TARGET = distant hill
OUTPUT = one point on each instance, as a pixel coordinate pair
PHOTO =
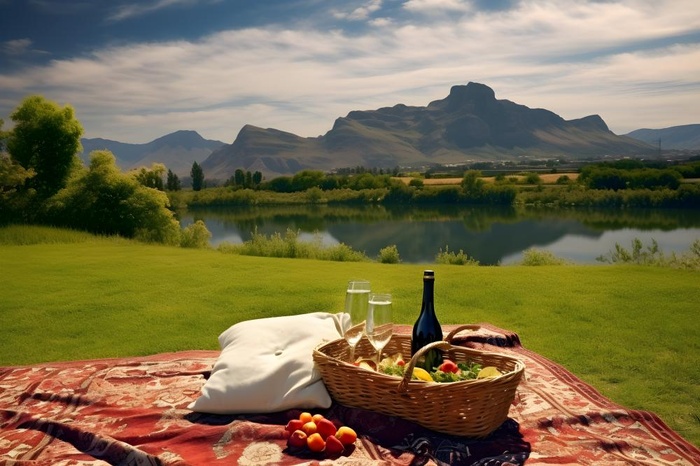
(178, 151)
(470, 124)
(686, 137)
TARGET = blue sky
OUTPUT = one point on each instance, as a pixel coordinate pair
(137, 70)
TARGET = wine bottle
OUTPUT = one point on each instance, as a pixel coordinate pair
(427, 328)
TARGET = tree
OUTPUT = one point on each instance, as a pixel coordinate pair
(151, 177)
(13, 202)
(101, 199)
(238, 177)
(257, 178)
(172, 182)
(473, 184)
(306, 179)
(197, 175)
(46, 139)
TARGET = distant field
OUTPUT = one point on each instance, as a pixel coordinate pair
(547, 178)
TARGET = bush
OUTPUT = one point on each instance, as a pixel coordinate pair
(314, 195)
(103, 200)
(534, 257)
(195, 236)
(449, 257)
(652, 255)
(289, 246)
(389, 255)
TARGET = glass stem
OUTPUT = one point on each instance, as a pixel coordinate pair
(352, 354)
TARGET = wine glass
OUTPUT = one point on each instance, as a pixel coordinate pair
(356, 301)
(379, 325)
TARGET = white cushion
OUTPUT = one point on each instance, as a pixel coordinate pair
(266, 365)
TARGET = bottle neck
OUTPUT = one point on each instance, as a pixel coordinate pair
(428, 295)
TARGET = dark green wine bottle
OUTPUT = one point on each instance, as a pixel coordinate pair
(427, 329)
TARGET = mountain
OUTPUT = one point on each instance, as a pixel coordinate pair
(686, 137)
(177, 151)
(470, 124)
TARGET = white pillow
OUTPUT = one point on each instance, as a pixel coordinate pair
(266, 365)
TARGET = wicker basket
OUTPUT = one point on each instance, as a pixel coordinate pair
(472, 408)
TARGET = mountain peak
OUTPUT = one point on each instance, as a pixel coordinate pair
(472, 91)
(469, 97)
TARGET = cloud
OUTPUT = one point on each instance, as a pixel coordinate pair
(16, 47)
(131, 10)
(360, 13)
(572, 58)
(432, 6)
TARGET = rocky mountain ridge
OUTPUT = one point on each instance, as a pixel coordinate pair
(468, 125)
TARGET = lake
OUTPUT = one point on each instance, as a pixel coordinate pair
(490, 235)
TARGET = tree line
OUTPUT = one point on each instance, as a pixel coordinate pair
(43, 181)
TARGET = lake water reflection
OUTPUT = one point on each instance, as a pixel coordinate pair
(490, 235)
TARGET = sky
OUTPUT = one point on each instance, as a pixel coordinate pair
(137, 70)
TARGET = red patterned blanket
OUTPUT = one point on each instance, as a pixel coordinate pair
(133, 411)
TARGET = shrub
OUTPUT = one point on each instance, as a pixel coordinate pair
(195, 235)
(314, 195)
(652, 255)
(289, 246)
(102, 200)
(449, 257)
(389, 255)
(534, 256)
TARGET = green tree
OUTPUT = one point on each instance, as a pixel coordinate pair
(151, 177)
(306, 179)
(103, 200)
(473, 184)
(238, 177)
(172, 182)
(257, 178)
(197, 175)
(13, 201)
(46, 139)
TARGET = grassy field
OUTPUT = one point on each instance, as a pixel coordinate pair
(630, 331)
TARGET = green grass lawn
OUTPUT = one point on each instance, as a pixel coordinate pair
(630, 331)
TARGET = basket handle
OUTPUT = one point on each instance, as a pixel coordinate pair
(408, 370)
(455, 331)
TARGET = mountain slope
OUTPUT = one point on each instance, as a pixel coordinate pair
(469, 124)
(178, 151)
(685, 137)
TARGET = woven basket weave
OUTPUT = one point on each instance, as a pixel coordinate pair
(471, 408)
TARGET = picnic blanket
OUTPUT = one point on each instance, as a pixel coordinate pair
(133, 411)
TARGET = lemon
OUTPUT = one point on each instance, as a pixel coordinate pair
(422, 374)
(488, 372)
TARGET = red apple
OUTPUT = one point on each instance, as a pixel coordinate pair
(326, 428)
(294, 424)
(297, 440)
(334, 447)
